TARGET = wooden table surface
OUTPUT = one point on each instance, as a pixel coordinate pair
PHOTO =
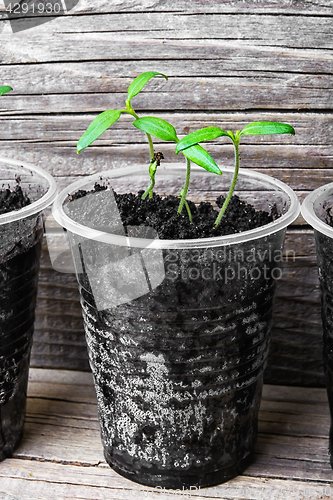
(61, 455)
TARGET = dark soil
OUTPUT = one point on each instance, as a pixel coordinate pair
(12, 200)
(329, 216)
(161, 214)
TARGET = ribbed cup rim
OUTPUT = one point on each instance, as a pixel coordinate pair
(36, 206)
(317, 196)
(273, 227)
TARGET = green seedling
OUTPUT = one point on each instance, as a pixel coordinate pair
(4, 89)
(209, 133)
(152, 126)
(188, 145)
(163, 130)
(104, 120)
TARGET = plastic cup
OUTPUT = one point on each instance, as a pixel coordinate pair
(317, 210)
(21, 233)
(177, 330)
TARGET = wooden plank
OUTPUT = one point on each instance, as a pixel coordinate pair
(313, 32)
(275, 91)
(283, 408)
(67, 128)
(96, 46)
(115, 76)
(289, 425)
(51, 142)
(274, 162)
(302, 7)
(59, 385)
(37, 481)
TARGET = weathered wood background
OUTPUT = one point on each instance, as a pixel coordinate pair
(229, 63)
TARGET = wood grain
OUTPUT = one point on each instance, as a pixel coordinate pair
(314, 30)
(235, 92)
(302, 7)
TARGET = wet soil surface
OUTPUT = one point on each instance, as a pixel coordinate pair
(161, 214)
(12, 200)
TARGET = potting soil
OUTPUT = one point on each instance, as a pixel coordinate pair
(12, 199)
(161, 215)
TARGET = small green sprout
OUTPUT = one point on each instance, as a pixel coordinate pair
(4, 89)
(163, 130)
(152, 126)
(104, 120)
(156, 160)
(209, 133)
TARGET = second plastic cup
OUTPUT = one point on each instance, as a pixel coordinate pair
(317, 210)
(21, 233)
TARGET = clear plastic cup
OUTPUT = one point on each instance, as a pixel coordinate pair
(177, 330)
(21, 233)
(317, 210)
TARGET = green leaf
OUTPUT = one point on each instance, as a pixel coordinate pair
(204, 134)
(4, 89)
(201, 157)
(140, 81)
(97, 127)
(156, 127)
(267, 128)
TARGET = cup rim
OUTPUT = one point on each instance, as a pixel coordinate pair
(309, 214)
(76, 228)
(37, 205)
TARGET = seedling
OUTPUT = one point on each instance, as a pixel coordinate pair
(209, 133)
(189, 145)
(4, 89)
(156, 127)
